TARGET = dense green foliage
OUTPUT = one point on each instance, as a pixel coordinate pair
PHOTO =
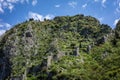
(65, 48)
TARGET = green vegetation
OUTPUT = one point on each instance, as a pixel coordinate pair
(65, 48)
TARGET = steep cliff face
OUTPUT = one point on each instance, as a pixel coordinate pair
(5, 64)
(5, 68)
(62, 48)
(117, 30)
(18, 45)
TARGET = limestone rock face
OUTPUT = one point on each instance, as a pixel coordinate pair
(13, 46)
(102, 40)
(28, 34)
(5, 68)
(76, 51)
(53, 49)
(117, 30)
(89, 47)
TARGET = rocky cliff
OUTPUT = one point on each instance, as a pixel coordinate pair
(67, 47)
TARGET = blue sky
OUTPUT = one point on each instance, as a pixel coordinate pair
(13, 12)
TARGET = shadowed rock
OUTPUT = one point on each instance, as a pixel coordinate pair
(76, 51)
(102, 40)
(5, 68)
(28, 34)
(88, 48)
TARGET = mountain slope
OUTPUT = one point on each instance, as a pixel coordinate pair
(67, 47)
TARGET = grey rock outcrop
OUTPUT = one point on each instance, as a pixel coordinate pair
(5, 68)
(14, 45)
(28, 34)
(102, 40)
(76, 51)
(89, 47)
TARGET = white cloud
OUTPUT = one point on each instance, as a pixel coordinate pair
(1, 0)
(103, 3)
(117, 0)
(10, 7)
(96, 0)
(27, 1)
(1, 10)
(57, 6)
(100, 19)
(84, 6)
(116, 21)
(49, 16)
(1, 25)
(117, 10)
(37, 16)
(5, 4)
(10, 4)
(22, 1)
(2, 32)
(12, 1)
(34, 2)
(5, 25)
(8, 26)
(73, 4)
